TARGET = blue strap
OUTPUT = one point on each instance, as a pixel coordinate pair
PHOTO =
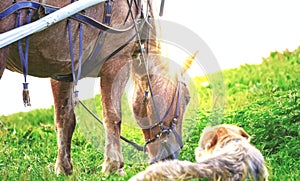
(71, 48)
(80, 50)
(178, 138)
(75, 77)
(90, 21)
(108, 12)
(24, 57)
(18, 6)
(79, 17)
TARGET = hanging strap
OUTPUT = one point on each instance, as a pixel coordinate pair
(108, 12)
(162, 5)
(76, 75)
(24, 58)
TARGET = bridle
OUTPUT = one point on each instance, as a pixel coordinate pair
(163, 130)
(166, 130)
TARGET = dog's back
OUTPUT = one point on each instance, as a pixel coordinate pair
(241, 162)
(224, 153)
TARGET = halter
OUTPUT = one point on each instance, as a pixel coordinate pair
(165, 130)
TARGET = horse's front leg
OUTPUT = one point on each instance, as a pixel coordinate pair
(64, 124)
(114, 76)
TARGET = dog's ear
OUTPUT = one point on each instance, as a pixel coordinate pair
(243, 133)
(215, 138)
(213, 141)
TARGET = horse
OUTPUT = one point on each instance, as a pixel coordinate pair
(49, 56)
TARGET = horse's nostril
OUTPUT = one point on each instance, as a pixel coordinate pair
(173, 156)
(171, 153)
(151, 162)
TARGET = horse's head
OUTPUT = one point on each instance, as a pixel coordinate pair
(160, 101)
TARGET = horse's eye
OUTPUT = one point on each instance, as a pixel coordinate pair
(187, 99)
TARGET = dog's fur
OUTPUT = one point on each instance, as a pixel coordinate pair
(224, 153)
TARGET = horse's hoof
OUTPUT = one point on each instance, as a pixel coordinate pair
(65, 167)
(113, 167)
(121, 172)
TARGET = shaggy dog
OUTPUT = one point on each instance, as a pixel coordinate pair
(224, 153)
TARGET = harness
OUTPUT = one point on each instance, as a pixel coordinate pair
(166, 130)
(16, 7)
(76, 74)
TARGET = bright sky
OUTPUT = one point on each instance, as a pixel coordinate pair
(237, 32)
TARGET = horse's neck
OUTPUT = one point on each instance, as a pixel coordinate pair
(156, 68)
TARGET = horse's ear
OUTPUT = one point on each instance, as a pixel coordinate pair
(188, 62)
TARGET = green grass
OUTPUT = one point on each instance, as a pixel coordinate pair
(263, 99)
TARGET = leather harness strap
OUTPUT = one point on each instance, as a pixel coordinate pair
(171, 128)
(49, 9)
(18, 6)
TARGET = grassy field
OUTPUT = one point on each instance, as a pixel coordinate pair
(263, 99)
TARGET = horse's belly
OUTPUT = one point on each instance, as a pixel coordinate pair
(49, 52)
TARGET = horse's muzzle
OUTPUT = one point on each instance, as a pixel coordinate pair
(166, 152)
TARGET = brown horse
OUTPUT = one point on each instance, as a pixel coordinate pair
(159, 114)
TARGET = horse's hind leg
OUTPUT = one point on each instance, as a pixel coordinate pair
(64, 124)
(114, 76)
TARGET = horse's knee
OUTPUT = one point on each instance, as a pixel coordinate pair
(112, 124)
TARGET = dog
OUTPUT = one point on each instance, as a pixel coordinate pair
(224, 153)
